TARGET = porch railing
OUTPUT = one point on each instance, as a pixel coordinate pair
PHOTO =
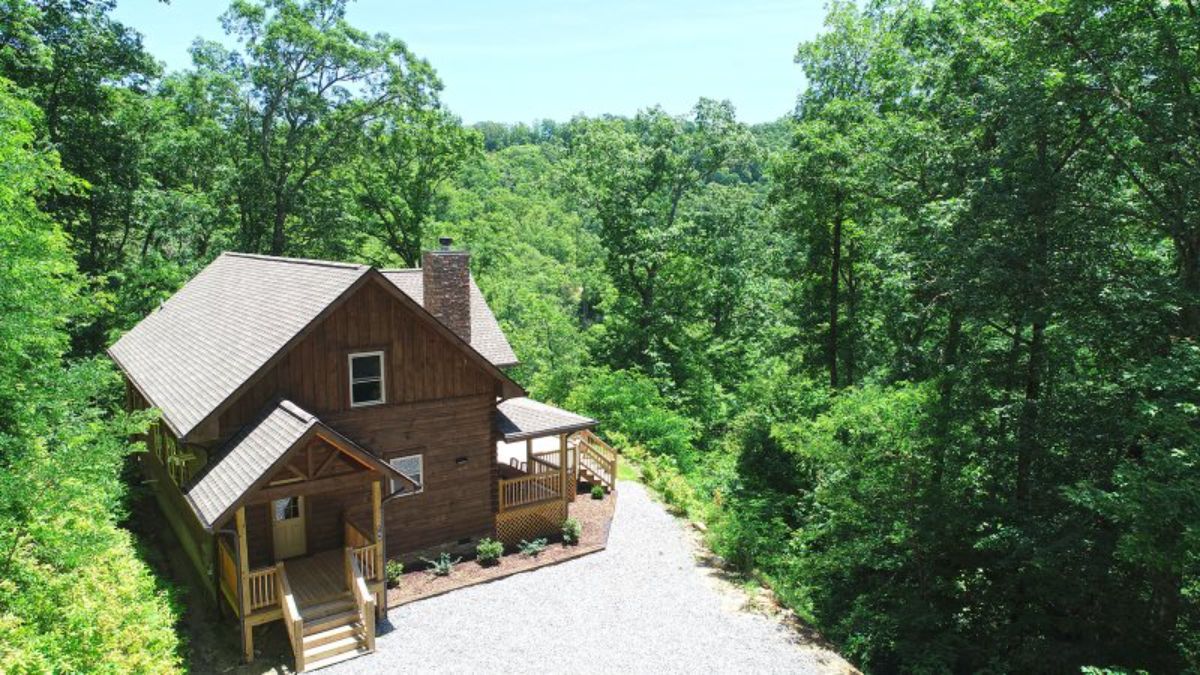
(365, 550)
(263, 585)
(227, 569)
(529, 489)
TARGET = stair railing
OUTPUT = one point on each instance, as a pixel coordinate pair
(362, 596)
(291, 615)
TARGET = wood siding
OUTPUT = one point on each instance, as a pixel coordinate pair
(420, 364)
(439, 404)
(456, 502)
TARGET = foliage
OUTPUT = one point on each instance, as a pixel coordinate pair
(571, 531)
(443, 566)
(488, 551)
(393, 570)
(923, 354)
(597, 492)
(531, 549)
(74, 595)
(637, 410)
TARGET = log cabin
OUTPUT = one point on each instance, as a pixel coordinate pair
(317, 419)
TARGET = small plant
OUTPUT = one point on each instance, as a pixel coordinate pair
(443, 566)
(533, 548)
(597, 492)
(392, 570)
(488, 552)
(571, 529)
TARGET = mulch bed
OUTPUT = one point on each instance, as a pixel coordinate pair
(594, 515)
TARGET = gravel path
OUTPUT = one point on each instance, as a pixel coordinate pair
(643, 605)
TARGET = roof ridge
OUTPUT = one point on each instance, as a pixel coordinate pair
(296, 411)
(298, 261)
(394, 270)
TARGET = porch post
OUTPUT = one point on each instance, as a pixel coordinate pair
(562, 469)
(244, 577)
(380, 556)
(528, 455)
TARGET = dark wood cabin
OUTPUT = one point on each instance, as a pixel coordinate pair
(321, 418)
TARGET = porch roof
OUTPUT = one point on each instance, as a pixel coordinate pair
(523, 418)
(251, 456)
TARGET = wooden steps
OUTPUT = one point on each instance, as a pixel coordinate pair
(333, 632)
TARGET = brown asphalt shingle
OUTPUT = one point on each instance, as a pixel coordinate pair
(188, 356)
(246, 457)
(521, 418)
(486, 336)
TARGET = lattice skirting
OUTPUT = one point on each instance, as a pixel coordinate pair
(544, 519)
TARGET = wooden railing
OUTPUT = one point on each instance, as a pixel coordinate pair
(227, 568)
(529, 489)
(362, 596)
(356, 537)
(366, 550)
(367, 557)
(291, 615)
(597, 457)
(547, 461)
(262, 585)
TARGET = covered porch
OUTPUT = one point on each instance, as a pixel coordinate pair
(296, 510)
(542, 455)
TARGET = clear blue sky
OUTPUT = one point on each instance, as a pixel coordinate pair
(521, 60)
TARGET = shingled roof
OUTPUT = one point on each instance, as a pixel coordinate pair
(251, 455)
(518, 419)
(194, 352)
(486, 336)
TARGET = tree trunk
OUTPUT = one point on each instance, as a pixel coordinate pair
(1188, 249)
(835, 272)
(278, 240)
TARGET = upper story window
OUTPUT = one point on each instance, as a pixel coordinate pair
(366, 379)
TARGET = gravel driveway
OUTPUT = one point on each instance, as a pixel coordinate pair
(643, 605)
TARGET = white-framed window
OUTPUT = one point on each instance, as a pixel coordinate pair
(412, 466)
(367, 385)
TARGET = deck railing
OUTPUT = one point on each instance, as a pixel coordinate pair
(365, 549)
(547, 461)
(263, 587)
(291, 615)
(529, 489)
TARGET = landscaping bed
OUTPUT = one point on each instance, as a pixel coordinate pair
(594, 515)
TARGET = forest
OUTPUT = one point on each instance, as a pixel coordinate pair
(922, 355)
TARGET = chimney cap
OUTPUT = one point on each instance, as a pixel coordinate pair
(445, 243)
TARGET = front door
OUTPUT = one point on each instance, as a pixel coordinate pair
(287, 520)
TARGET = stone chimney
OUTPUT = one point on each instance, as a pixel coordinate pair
(447, 279)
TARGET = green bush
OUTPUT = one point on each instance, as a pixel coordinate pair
(571, 530)
(597, 492)
(393, 570)
(488, 552)
(443, 566)
(633, 409)
(531, 549)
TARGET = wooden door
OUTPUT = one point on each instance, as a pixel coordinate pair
(287, 526)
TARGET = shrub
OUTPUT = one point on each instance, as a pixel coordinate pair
(635, 412)
(533, 548)
(488, 552)
(392, 570)
(443, 566)
(571, 529)
(597, 492)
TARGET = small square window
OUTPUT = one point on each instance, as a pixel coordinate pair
(367, 379)
(412, 466)
(287, 508)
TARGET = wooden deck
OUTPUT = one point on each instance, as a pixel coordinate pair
(317, 578)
